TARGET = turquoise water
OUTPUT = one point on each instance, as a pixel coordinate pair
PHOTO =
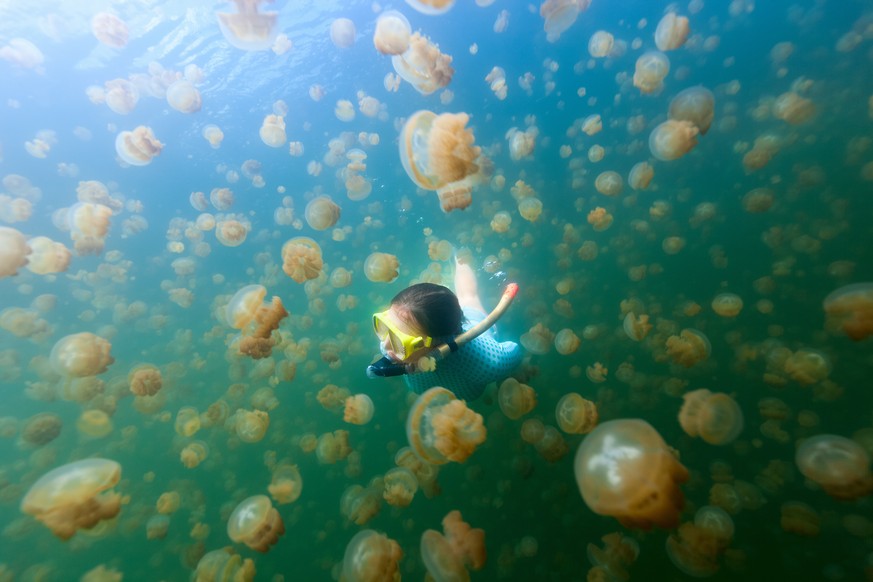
(813, 240)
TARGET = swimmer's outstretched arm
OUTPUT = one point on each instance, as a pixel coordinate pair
(466, 286)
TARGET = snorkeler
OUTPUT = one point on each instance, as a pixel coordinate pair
(440, 338)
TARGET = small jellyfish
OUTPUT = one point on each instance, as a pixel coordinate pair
(342, 32)
(575, 415)
(272, 131)
(636, 327)
(609, 183)
(248, 29)
(625, 469)
(423, 66)
(13, 251)
(441, 428)
(559, 15)
(358, 409)
(75, 496)
(538, 339)
(194, 453)
(370, 557)
(110, 30)
(392, 33)
(400, 486)
(515, 399)
(187, 421)
(688, 348)
(716, 418)
(214, 135)
(322, 213)
(184, 97)
(286, 484)
(695, 104)
(255, 523)
(448, 556)
(600, 44)
(41, 429)
(46, 257)
(251, 425)
(225, 565)
(332, 447)
(838, 465)
(138, 147)
(651, 68)
(157, 527)
(567, 342)
(94, 424)
(727, 304)
(431, 7)
(672, 31)
(301, 259)
(672, 139)
(850, 309)
(381, 267)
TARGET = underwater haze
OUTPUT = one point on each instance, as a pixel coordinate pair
(683, 192)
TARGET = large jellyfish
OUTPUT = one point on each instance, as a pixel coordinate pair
(75, 496)
(625, 469)
(441, 428)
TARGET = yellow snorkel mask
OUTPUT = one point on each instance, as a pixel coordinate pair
(400, 342)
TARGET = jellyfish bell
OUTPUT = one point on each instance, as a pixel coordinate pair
(515, 399)
(184, 97)
(850, 308)
(649, 72)
(110, 30)
(249, 29)
(342, 33)
(673, 139)
(301, 257)
(75, 496)
(840, 466)
(255, 523)
(695, 104)
(716, 418)
(624, 469)
(371, 556)
(423, 66)
(436, 150)
(392, 33)
(81, 354)
(322, 213)
(672, 32)
(431, 7)
(138, 147)
(441, 428)
(14, 251)
(559, 15)
(381, 267)
(575, 415)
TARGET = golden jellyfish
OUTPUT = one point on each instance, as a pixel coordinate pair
(272, 131)
(121, 96)
(193, 454)
(758, 200)
(850, 309)
(521, 143)
(157, 527)
(13, 251)
(400, 485)
(672, 32)
(224, 565)
(145, 380)
(727, 304)
(340, 278)
(138, 147)
(624, 469)
(600, 219)
(609, 183)
(342, 32)
(800, 519)
(392, 33)
(251, 425)
(360, 504)
(110, 30)
(501, 221)
(441, 428)
(41, 429)
(94, 423)
(600, 44)
(371, 557)
(255, 523)
(187, 421)
(807, 366)
(575, 415)
(286, 484)
(695, 104)
(381, 267)
(437, 150)
(75, 496)
(448, 556)
(213, 134)
(538, 339)
(612, 562)
(515, 399)
(650, 70)
(47, 256)
(672, 139)
(322, 213)
(423, 66)
(81, 354)
(431, 7)
(358, 409)
(592, 125)
(840, 466)
(332, 447)
(689, 347)
(696, 547)
(716, 418)
(794, 109)
(301, 259)
(559, 15)
(636, 327)
(530, 208)
(168, 502)
(249, 29)
(231, 232)
(567, 342)
(184, 97)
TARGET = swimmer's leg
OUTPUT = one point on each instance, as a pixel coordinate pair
(466, 286)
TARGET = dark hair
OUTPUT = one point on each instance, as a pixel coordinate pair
(434, 307)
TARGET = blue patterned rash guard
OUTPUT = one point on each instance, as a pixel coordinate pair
(476, 364)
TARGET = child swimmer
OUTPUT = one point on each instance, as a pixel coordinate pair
(425, 316)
